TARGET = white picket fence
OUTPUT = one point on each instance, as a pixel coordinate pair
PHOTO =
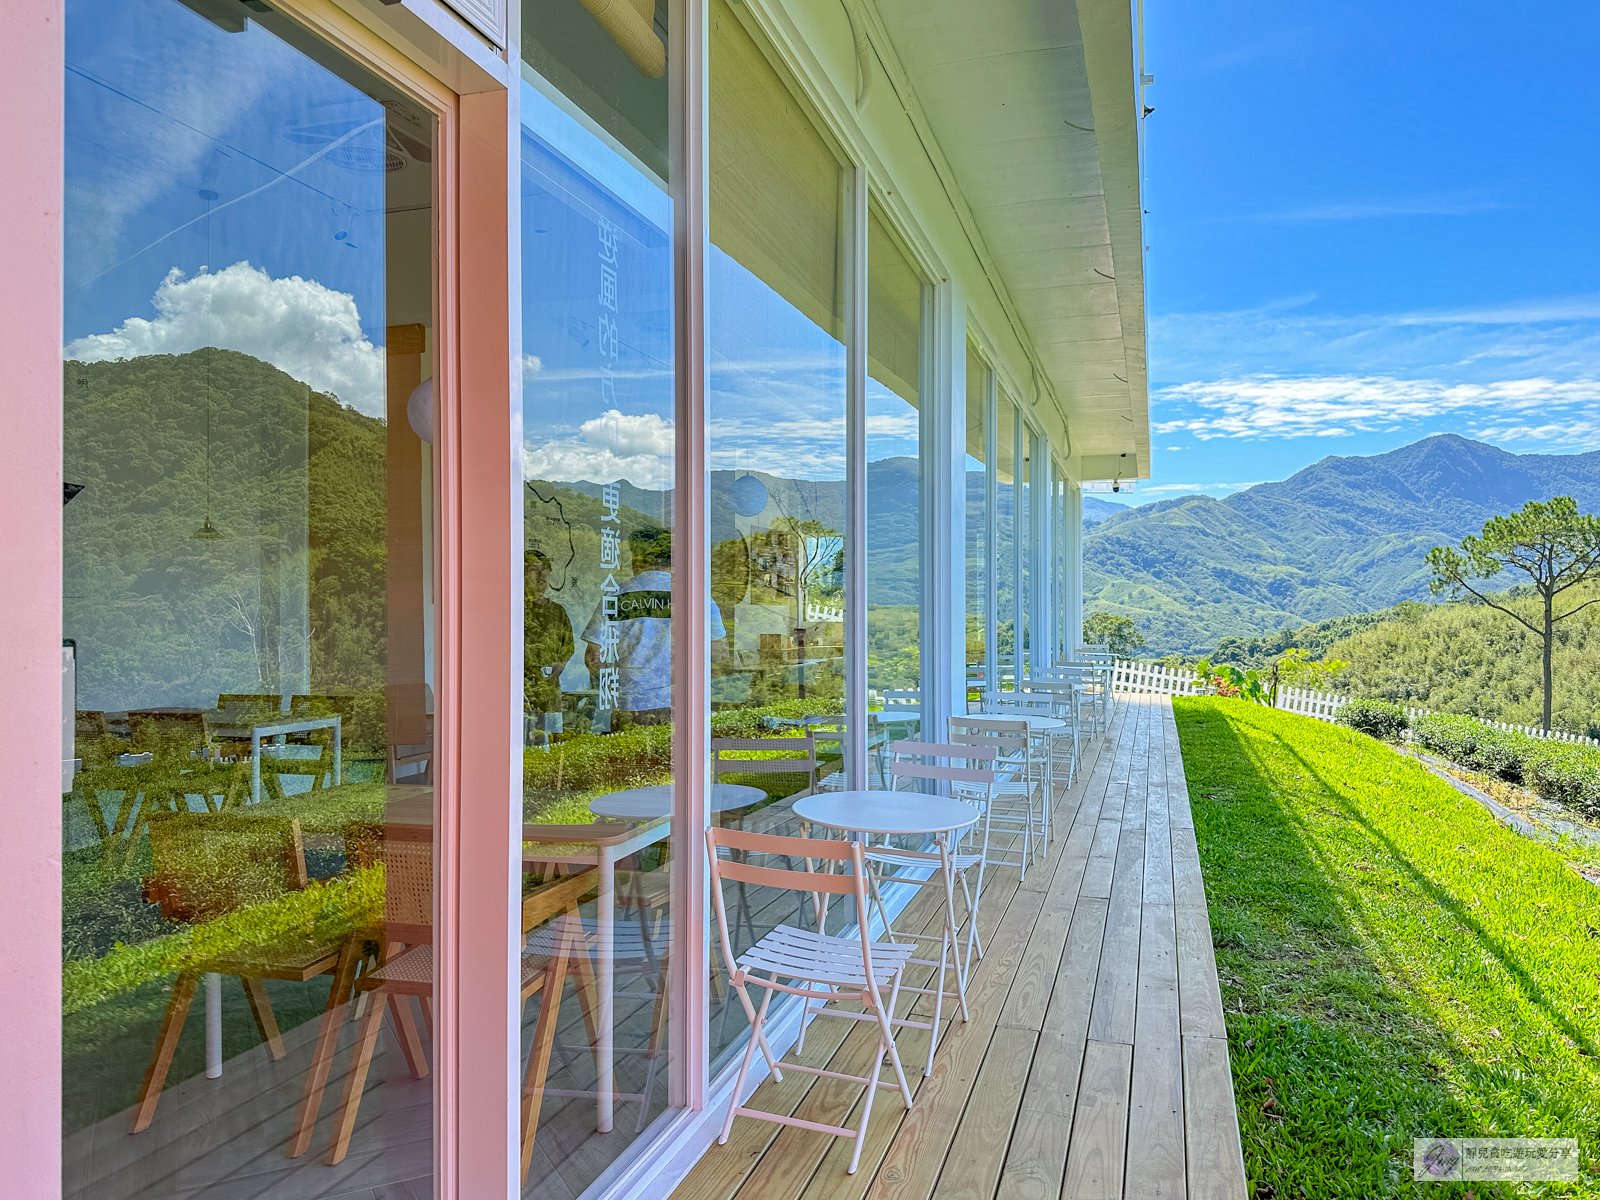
(1147, 677)
(1153, 678)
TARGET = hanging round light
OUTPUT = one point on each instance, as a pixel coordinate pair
(419, 410)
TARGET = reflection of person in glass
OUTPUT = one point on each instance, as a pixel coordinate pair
(546, 643)
(637, 639)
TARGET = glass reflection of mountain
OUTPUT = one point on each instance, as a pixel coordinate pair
(297, 493)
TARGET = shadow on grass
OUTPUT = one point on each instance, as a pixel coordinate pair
(1494, 946)
(1334, 1072)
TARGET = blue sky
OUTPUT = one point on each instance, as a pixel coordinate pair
(1368, 223)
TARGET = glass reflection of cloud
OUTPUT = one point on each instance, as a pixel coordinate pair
(776, 381)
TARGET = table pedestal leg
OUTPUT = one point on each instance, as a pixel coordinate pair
(213, 1025)
(605, 1036)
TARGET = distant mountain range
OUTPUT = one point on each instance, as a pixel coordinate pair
(1346, 535)
(1096, 510)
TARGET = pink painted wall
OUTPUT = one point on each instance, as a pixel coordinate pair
(30, 601)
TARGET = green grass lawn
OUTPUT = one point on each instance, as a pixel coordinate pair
(1394, 963)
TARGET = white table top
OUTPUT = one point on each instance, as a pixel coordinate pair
(898, 713)
(1035, 724)
(649, 803)
(886, 812)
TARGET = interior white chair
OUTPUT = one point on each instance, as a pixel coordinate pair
(812, 965)
(833, 730)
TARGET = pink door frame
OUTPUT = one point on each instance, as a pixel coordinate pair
(30, 612)
(479, 609)
(478, 728)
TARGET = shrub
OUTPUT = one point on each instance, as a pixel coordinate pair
(1376, 718)
(1560, 771)
(588, 761)
(1468, 741)
(1566, 773)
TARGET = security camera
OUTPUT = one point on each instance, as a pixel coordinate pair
(1116, 486)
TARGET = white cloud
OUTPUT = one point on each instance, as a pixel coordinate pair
(306, 330)
(532, 364)
(1554, 336)
(893, 425)
(615, 445)
(1337, 406)
(1581, 430)
(1411, 206)
(1197, 487)
(135, 159)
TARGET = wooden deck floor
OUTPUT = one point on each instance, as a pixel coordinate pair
(1095, 1063)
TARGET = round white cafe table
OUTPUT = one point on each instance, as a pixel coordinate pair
(907, 813)
(654, 801)
(886, 812)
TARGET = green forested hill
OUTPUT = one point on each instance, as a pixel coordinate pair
(1346, 535)
(1465, 658)
(1451, 657)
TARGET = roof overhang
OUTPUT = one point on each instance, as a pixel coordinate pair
(1035, 109)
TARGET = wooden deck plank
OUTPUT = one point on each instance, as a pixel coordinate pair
(1036, 973)
(1188, 887)
(1036, 1159)
(1117, 983)
(1003, 893)
(823, 1165)
(1053, 1085)
(1156, 1160)
(911, 1165)
(1216, 1161)
(1094, 1065)
(745, 1158)
(1180, 814)
(1097, 1154)
(978, 1150)
(1199, 994)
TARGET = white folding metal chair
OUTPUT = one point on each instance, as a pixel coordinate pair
(974, 783)
(1058, 699)
(1019, 803)
(815, 965)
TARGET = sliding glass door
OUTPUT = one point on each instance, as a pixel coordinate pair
(247, 598)
(602, 830)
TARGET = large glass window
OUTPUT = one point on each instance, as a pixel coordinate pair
(894, 325)
(977, 522)
(1026, 546)
(1058, 542)
(599, 561)
(1007, 529)
(247, 594)
(776, 429)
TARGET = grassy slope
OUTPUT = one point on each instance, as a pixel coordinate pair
(1393, 962)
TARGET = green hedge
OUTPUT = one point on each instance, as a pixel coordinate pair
(322, 914)
(584, 762)
(1377, 718)
(1566, 772)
